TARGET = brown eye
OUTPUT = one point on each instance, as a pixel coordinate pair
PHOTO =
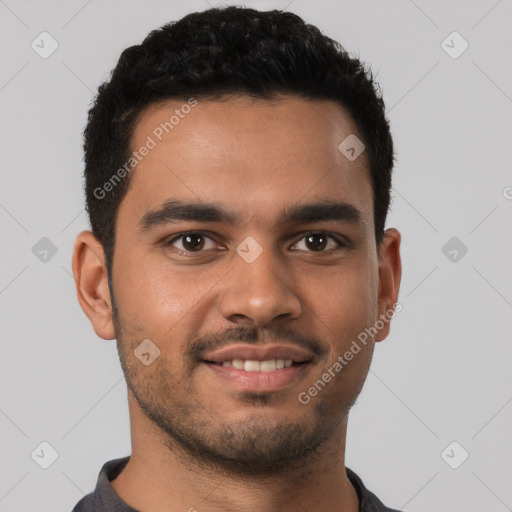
(192, 242)
(319, 240)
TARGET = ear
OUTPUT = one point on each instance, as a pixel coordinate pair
(390, 274)
(91, 283)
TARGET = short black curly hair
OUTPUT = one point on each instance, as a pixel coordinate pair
(219, 52)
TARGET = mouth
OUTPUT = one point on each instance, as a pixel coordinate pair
(253, 365)
(259, 368)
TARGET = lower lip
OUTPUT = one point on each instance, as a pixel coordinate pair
(260, 381)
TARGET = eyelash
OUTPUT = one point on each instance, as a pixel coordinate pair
(330, 236)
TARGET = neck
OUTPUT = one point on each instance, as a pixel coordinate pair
(161, 477)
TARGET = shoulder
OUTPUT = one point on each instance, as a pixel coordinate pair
(104, 498)
(86, 504)
(368, 501)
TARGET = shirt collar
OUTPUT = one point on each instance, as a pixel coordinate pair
(107, 500)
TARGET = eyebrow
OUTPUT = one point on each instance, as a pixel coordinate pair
(175, 210)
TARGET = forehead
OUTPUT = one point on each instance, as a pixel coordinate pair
(255, 156)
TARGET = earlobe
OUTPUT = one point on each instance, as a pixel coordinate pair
(390, 275)
(90, 273)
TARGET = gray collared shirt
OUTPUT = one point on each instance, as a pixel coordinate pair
(105, 499)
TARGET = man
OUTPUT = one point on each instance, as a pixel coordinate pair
(238, 170)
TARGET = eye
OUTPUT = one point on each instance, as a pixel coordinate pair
(197, 242)
(192, 241)
(317, 241)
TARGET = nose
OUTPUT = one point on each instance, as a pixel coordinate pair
(258, 292)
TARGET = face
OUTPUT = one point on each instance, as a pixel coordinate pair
(245, 252)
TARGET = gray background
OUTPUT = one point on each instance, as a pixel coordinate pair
(443, 375)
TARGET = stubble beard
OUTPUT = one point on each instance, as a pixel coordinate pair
(256, 446)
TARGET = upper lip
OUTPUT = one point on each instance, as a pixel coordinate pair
(259, 353)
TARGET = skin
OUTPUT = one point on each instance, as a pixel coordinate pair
(255, 157)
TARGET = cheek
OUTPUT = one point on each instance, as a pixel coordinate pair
(146, 289)
(347, 306)
(345, 299)
(161, 301)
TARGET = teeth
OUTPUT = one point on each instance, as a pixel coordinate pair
(268, 366)
(250, 365)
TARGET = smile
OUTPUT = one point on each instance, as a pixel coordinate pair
(251, 365)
